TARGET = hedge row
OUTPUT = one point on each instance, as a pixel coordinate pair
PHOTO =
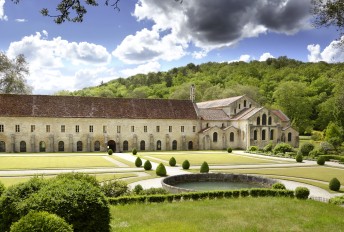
(201, 195)
(335, 157)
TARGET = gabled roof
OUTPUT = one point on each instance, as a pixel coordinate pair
(94, 107)
(213, 114)
(247, 113)
(218, 103)
(281, 115)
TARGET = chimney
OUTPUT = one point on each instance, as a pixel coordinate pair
(192, 92)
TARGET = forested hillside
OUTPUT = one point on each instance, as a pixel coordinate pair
(311, 94)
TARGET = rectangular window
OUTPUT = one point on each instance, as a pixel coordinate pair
(194, 129)
(118, 129)
(77, 129)
(1, 128)
(104, 129)
(17, 128)
(169, 128)
(182, 128)
(47, 128)
(157, 128)
(145, 128)
(132, 128)
(63, 128)
(33, 128)
(91, 128)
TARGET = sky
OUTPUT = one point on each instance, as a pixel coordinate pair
(157, 35)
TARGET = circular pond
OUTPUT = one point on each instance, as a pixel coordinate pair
(214, 181)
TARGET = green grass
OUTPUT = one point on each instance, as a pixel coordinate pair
(242, 214)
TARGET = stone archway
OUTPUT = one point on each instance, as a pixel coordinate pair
(112, 145)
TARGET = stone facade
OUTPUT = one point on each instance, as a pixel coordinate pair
(36, 123)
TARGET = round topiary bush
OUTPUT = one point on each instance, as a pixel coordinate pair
(253, 148)
(299, 158)
(147, 165)
(138, 189)
(138, 162)
(321, 160)
(186, 164)
(229, 150)
(278, 186)
(334, 184)
(172, 162)
(110, 151)
(134, 151)
(204, 167)
(306, 148)
(301, 193)
(160, 170)
(41, 221)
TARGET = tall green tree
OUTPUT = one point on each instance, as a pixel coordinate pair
(334, 135)
(13, 74)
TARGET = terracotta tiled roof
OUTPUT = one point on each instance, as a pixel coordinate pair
(94, 107)
(218, 103)
(213, 114)
(281, 115)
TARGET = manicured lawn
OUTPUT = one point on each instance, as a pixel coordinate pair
(242, 214)
(213, 158)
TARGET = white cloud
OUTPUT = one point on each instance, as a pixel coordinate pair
(21, 20)
(265, 56)
(2, 11)
(333, 53)
(244, 58)
(93, 77)
(142, 69)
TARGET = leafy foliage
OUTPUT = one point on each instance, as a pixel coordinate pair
(110, 151)
(186, 164)
(229, 150)
(204, 167)
(282, 148)
(299, 158)
(334, 184)
(147, 165)
(138, 162)
(134, 151)
(306, 148)
(161, 170)
(114, 188)
(172, 162)
(321, 160)
(2, 188)
(278, 186)
(301, 193)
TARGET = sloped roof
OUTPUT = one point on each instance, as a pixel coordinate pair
(281, 115)
(94, 107)
(218, 103)
(247, 113)
(213, 114)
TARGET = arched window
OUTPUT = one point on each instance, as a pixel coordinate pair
(22, 146)
(289, 137)
(207, 125)
(263, 134)
(96, 146)
(255, 135)
(158, 145)
(142, 145)
(258, 121)
(231, 137)
(272, 135)
(264, 119)
(2, 146)
(269, 121)
(125, 145)
(42, 146)
(79, 146)
(190, 145)
(244, 103)
(239, 106)
(215, 137)
(174, 145)
(61, 146)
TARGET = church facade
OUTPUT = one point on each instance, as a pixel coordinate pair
(37, 123)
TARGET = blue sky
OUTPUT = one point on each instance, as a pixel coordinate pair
(154, 35)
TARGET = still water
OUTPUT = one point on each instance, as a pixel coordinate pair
(217, 185)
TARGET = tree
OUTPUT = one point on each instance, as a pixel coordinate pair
(12, 75)
(334, 135)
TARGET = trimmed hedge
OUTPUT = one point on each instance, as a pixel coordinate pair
(138, 162)
(334, 157)
(147, 166)
(278, 186)
(186, 164)
(134, 151)
(334, 184)
(229, 150)
(301, 193)
(161, 170)
(204, 167)
(321, 160)
(299, 158)
(110, 151)
(172, 162)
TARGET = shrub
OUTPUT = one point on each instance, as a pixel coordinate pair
(253, 148)
(306, 148)
(244, 193)
(161, 170)
(316, 153)
(138, 162)
(2, 188)
(114, 188)
(229, 150)
(41, 221)
(299, 158)
(339, 200)
(147, 165)
(301, 193)
(334, 184)
(278, 186)
(204, 167)
(326, 147)
(138, 189)
(154, 191)
(268, 147)
(79, 176)
(172, 162)
(134, 151)
(186, 164)
(110, 151)
(317, 136)
(282, 148)
(321, 160)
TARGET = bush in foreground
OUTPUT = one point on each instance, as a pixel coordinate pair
(301, 193)
(147, 165)
(138, 162)
(2, 188)
(172, 162)
(160, 170)
(334, 184)
(41, 221)
(204, 167)
(278, 186)
(229, 150)
(110, 151)
(299, 158)
(268, 147)
(306, 148)
(186, 164)
(114, 188)
(282, 148)
(321, 160)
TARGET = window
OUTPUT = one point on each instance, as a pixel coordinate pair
(269, 121)
(190, 145)
(118, 129)
(61, 146)
(169, 128)
(142, 145)
(157, 128)
(194, 129)
(289, 137)
(125, 145)
(42, 146)
(33, 128)
(22, 146)
(254, 135)
(174, 145)
(239, 106)
(264, 119)
(104, 129)
(158, 145)
(145, 128)
(258, 121)
(272, 135)
(47, 128)
(2, 146)
(231, 137)
(244, 103)
(77, 129)
(79, 146)
(91, 129)
(215, 137)
(132, 128)
(17, 128)
(96, 146)
(1, 128)
(182, 128)
(63, 128)
(263, 134)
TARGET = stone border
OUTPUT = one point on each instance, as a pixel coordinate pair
(169, 182)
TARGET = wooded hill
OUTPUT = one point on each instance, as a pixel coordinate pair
(311, 94)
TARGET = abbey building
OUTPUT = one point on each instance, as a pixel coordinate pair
(37, 123)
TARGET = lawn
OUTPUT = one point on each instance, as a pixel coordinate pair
(242, 214)
(212, 158)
